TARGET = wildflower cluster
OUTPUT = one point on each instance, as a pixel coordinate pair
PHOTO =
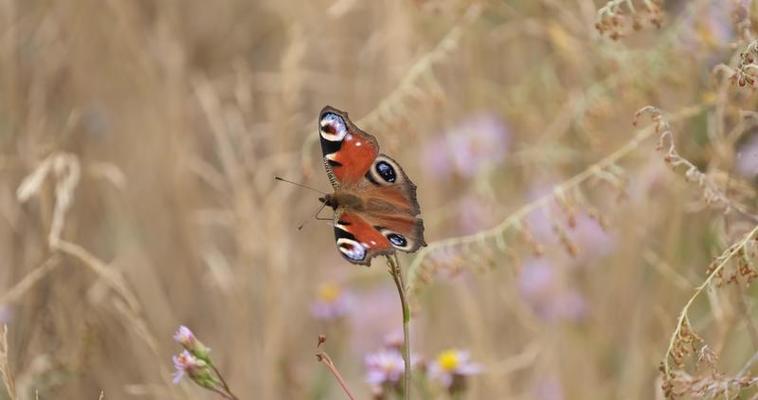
(195, 363)
(448, 371)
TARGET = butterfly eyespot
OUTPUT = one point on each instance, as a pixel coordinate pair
(351, 249)
(332, 127)
(384, 171)
(397, 240)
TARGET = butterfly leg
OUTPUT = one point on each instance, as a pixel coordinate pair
(316, 217)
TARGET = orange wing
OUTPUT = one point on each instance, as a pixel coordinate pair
(348, 151)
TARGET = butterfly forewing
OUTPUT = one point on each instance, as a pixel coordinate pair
(348, 152)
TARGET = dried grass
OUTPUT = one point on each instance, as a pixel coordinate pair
(138, 148)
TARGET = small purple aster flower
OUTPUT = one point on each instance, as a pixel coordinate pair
(394, 340)
(186, 364)
(187, 339)
(451, 367)
(540, 287)
(479, 141)
(384, 368)
(747, 158)
(331, 303)
(6, 314)
(184, 336)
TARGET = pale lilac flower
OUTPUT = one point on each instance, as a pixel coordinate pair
(331, 302)
(451, 367)
(479, 141)
(747, 158)
(591, 240)
(394, 340)
(186, 364)
(384, 367)
(712, 28)
(184, 336)
(541, 289)
(378, 315)
(548, 388)
(6, 314)
(187, 339)
(474, 214)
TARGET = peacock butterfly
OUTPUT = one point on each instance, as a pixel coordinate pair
(374, 201)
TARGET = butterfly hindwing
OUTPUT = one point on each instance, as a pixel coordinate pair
(357, 240)
(348, 151)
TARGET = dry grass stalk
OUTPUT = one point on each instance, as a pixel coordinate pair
(5, 369)
(712, 195)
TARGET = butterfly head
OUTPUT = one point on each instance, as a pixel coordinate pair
(342, 199)
(328, 200)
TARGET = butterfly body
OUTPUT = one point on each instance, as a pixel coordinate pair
(374, 201)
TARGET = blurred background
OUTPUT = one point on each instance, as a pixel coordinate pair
(139, 141)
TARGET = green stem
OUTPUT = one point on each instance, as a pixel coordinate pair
(397, 276)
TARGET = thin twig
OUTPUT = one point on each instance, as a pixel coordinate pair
(324, 358)
(29, 280)
(397, 276)
(223, 382)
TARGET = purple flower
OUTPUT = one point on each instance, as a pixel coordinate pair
(6, 314)
(331, 302)
(474, 214)
(548, 388)
(184, 336)
(378, 315)
(187, 339)
(747, 158)
(187, 364)
(587, 234)
(481, 140)
(451, 367)
(394, 340)
(385, 367)
(541, 289)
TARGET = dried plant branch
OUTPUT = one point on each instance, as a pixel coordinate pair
(683, 322)
(515, 220)
(711, 193)
(615, 16)
(324, 358)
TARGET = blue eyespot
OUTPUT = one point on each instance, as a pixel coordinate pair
(397, 240)
(385, 170)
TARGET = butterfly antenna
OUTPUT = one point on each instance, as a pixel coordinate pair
(298, 184)
(314, 217)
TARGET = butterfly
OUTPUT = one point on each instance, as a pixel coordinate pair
(375, 207)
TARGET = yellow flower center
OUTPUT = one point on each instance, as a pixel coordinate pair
(329, 292)
(448, 360)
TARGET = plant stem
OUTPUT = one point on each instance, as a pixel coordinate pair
(397, 276)
(324, 358)
(223, 382)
